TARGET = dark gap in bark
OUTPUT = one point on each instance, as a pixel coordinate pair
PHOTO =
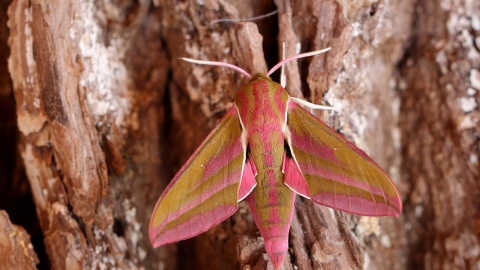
(268, 28)
(166, 135)
(186, 254)
(421, 240)
(15, 195)
(416, 248)
(373, 9)
(131, 13)
(118, 227)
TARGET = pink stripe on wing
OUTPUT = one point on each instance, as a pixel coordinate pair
(223, 158)
(173, 215)
(296, 107)
(314, 147)
(316, 171)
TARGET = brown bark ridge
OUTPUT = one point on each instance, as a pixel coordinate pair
(106, 114)
(16, 250)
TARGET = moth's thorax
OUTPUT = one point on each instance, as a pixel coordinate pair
(262, 104)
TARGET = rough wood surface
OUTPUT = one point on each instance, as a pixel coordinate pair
(440, 93)
(16, 251)
(106, 113)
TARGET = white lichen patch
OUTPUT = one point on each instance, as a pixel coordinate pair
(418, 210)
(460, 23)
(194, 89)
(471, 91)
(192, 50)
(467, 104)
(31, 64)
(120, 243)
(466, 38)
(475, 18)
(446, 4)
(475, 79)
(465, 244)
(105, 77)
(473, 158)
(396, 137)
(28, 83)
(367, 226)
(101, 262)
(466, 123)
(357, 29)
(133, 228)
(142, 254)
(360, 122)
(331, 96)
(385, 241)
(221, 41)
(441, 59)
(366, 261)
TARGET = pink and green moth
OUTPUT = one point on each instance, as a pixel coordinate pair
(266, 149)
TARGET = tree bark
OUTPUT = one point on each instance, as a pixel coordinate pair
(88, 81)
(106, 114)
(16, 250)
(440, 83)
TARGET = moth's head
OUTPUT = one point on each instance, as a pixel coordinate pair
(260, 76)
(262, 79)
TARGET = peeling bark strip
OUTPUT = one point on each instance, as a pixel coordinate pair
(49, 99)
(56, 148)
(76, 80)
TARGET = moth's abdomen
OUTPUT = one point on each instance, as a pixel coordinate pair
(272, 205)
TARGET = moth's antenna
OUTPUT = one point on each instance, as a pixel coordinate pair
(283, 78)
(312, 106)
(218, 64)
(261, 17)
(303, 55)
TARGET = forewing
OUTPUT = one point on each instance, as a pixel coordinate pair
(205, 190)
(336, 172)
